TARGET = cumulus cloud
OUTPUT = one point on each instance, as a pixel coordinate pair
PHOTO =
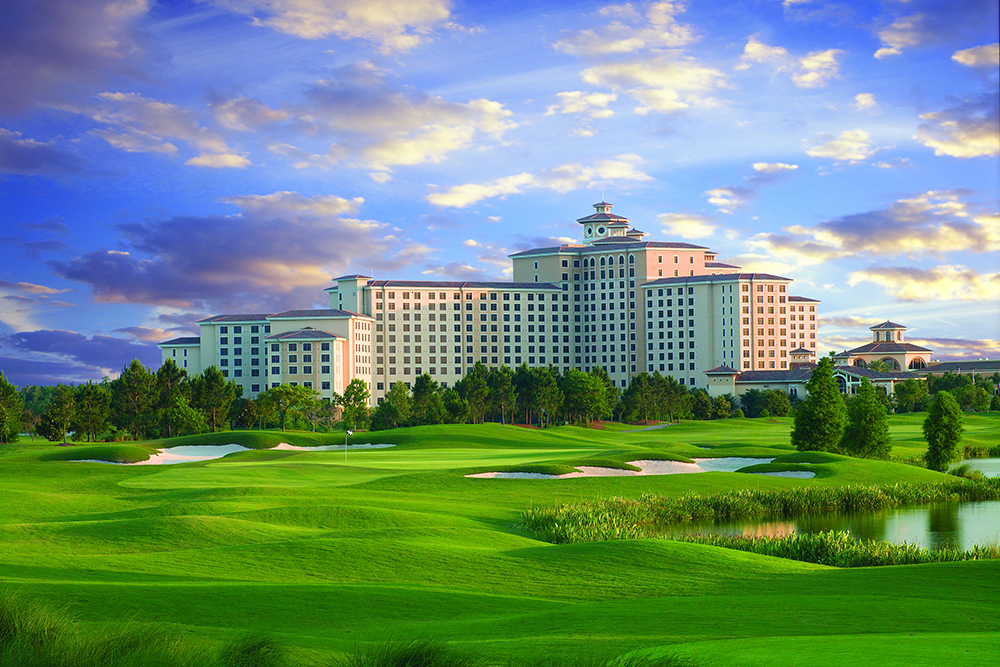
(979, 56)
(903, 32)
(594, 105)
(815, 69)
(946, 283)
(456, 271)
(658, 29)
(245, 114)
(383, 127)
(756, 51)
(730, 197)
(931, 223)
(50, 49)
(850, 146)
(140, 124)
(663, 84)
(84, 358)
(864, 101)
(921, 23)
(687, 226)
(957, 349)
(28, 157)
(563, 178)
(279, 250)
(967, 130)
(393, 25)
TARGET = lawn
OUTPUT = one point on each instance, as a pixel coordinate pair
(324, 555)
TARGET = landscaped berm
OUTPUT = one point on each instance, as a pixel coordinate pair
(288, 557)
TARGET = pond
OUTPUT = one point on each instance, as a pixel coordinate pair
(954, 524)
(989, 467)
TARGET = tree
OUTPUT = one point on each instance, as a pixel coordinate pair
(819, 421)
(721, 406)
(213, 395)
(475, 390)
(584, 396)
(456, 409)
(286, 398)
(502, 396)
(394, 410)
(355, 404)
(133, 397)
(57, 418)
(702, 406)
(972, 398)
(93, 409)
(910, 394)
(548, 396)
(11, 409)
(879, 366)
(777, 403)
(183, 417)
(943, 431)
(866, 435)
(611, 392)
(171, 384)
(426, 404)
(752, 402)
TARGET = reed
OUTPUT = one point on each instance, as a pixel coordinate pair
(623, 518)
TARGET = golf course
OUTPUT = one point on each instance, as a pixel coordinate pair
(325, 554)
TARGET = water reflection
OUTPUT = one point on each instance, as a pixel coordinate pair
(989, 467)
(954, 524)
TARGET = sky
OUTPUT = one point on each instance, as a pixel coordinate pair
(165, 161)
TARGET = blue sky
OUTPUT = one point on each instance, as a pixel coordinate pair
(163, 161)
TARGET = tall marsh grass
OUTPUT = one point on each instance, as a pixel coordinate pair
(35, 635)
(840, 549)
(624, 518)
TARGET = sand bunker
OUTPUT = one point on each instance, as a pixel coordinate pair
(648, 467)
(189, 453)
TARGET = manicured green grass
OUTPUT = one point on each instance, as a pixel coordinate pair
(326, 556)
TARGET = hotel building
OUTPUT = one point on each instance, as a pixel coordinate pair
(614, 300)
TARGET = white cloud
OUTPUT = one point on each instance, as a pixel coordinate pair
(756, 51)
(937, 283)
(969, 130)
(815, 69)
(594, 105)
(660, 30)
(285, 203)
(864, 101)
(687, 226)
(563, 178)
(903, 32)
(659, 84)
(850, 146)
(729, 198)
(245, 114)
(773, 167)
(395, 25)
(979, 56)
(219, 161)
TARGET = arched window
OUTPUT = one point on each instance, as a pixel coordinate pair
(841, 383)
(602, 261)
(860, 363)
(891, 364)
(917, 364)
(621, 259)
(631, 259)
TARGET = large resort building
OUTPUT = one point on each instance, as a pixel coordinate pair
(614, 300)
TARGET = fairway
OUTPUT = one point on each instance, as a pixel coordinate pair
(324, 555)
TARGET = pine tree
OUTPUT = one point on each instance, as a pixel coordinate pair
(943, 431)
(820, 420)
(11, 410)
(867, 433)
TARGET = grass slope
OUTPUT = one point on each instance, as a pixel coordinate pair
(325, 555)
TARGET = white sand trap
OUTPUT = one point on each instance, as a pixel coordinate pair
(329, 448)
(182, 454)
(648, 467)
(797, 474)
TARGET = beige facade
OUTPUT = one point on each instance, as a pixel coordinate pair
(889, 347)
(613, 300)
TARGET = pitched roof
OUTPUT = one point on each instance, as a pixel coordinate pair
(792, 375)
(803, 298)
(720, 265)
(725, 277)
(722, 370)
(802, 350)
(442, 284)
(185, 340)
(302, 334)
(886, 325)
(886, 347)
(322, 312)
(351, 276)
(983, 365)
(253, 317)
